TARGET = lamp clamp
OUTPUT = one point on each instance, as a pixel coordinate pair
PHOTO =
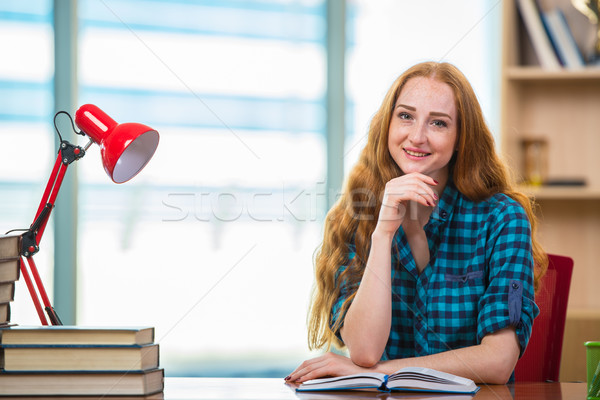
(28, 244)
(69, 152)
(29, 239)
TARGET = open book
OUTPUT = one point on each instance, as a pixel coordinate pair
(409, 379)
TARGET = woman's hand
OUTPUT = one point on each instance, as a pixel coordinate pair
(414, 187)
(329, 364)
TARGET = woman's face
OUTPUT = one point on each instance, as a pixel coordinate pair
(422, 132)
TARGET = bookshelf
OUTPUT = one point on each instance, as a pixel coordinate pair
(517, 73)
(562, 106)
(544, 193)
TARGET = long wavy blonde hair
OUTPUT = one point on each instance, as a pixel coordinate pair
(477, 171)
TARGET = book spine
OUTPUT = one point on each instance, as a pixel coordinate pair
(10, 247)
(566, 41)
(7, 292)
(539, 38)
(10, 270)
(78, 357)
(67, 335)
(4, 313)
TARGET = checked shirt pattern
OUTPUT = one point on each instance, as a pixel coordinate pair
(479, 278)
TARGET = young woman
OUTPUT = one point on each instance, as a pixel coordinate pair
(428, 258)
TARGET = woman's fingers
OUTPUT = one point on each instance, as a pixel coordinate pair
(395, 195)
(415, 187)
(301, 367)
(306, 369)
(329, 364)
(400, 192)
(312, 371)
(422, 177)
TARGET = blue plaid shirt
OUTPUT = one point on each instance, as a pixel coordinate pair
(479, 278)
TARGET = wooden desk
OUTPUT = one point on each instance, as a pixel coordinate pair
(276, 389)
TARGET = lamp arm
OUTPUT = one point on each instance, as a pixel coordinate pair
(67, 154)
(30, 240)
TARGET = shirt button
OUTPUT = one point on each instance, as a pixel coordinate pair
(515, 285)
(444, 214)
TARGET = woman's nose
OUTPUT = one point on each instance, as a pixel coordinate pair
(418, 133)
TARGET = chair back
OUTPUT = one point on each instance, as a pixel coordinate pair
(541, 360)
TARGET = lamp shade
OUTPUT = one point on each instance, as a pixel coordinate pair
(125, 148)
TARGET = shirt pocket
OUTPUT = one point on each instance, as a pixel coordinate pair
(467, 278)
(454, 308)
(460, 294)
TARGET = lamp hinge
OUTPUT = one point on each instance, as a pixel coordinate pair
(70, 152)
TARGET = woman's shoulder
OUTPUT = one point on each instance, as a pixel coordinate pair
(497, 213)
(499, 203)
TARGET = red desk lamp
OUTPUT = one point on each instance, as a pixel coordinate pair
(125, 150)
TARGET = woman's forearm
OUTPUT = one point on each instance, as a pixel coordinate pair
(368, 321)
(490, 362)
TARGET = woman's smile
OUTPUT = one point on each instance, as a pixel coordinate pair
(416, 153)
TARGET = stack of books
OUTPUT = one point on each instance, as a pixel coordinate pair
(79, 361)
(10, 262)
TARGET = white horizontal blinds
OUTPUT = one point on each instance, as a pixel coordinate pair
(26, 132)
(212, 242)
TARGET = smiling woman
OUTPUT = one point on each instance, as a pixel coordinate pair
(439, 271)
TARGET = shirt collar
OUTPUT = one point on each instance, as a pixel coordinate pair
(439, 216)
(445, 206)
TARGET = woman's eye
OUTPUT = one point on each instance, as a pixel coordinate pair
(440, 124)
(404, 115)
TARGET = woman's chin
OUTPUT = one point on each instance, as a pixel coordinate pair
(411, 169)
(432, 171)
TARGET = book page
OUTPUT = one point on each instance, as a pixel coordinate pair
(369, 379)
(427, 378)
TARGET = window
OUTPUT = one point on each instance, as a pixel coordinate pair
(212, 243)
(26, 131)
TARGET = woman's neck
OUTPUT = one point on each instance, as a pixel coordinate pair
(441, 178)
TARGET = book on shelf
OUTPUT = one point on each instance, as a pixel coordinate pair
(110, 383)
(23, 357)
(562, 39)
(416, 379)
(10, 247)
(10, 262)
(7, 292)
(10, 270)
(537, 33)
(74, 335)
(4, 313)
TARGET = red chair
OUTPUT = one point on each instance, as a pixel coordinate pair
(541, 360)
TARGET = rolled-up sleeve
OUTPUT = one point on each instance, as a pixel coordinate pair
(509, 297)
